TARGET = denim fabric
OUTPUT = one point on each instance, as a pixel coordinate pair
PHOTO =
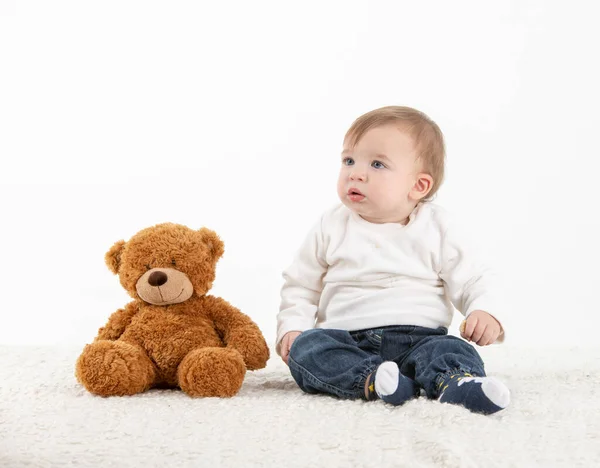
(338, 362)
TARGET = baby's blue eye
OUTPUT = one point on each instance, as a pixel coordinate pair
(348, 161)
(377, 165)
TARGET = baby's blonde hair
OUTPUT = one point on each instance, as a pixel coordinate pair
(428, 138)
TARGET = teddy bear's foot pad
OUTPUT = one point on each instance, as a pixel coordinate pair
(211, 372)
(111, 368)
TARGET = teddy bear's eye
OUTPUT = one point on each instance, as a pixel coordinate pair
(173, 262)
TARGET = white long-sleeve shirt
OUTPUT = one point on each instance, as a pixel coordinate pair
(351, 274)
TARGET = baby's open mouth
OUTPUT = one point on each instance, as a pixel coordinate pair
(355, 195)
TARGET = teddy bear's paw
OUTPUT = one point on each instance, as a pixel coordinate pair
(256, 355)
(109, 368)
(211, 372)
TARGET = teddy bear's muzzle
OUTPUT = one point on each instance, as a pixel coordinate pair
(164, 286)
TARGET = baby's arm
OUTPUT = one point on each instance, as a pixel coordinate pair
(302, 289)
(472, 288)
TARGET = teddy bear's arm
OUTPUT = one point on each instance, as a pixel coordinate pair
(238, 331)
(117, 323)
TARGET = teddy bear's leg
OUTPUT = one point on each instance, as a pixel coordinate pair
(109, 368)
(208, 372)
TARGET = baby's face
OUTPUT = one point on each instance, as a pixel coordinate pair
(377, 175)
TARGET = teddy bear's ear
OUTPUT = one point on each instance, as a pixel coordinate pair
(213, 242)
(113, 256)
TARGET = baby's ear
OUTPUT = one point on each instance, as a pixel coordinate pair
(212, 241)
(113, 256)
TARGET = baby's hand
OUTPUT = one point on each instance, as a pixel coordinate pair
(481, 328)
(286, 344)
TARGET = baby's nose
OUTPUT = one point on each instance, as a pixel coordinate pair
(357, 176)
(157, 278)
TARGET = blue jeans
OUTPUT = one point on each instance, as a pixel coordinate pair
(338, 362)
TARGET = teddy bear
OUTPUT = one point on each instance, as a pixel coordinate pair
(173, 334)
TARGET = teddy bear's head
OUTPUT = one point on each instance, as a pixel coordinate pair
(167, 263)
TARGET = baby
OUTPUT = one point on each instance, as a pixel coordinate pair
(367, 301)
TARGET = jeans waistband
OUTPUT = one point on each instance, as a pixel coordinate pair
(405, 329)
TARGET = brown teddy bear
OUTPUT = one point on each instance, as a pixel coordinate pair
(172, 334)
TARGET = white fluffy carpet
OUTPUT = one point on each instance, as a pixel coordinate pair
(48, 420)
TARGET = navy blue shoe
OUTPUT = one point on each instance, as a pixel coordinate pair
(485, 395)
(391, 386)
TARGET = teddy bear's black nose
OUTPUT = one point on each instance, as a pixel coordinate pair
(157, 278)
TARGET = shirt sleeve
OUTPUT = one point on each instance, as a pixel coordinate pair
(302, 287)
(470, 283)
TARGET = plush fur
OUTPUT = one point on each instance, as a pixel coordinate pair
(172, 334)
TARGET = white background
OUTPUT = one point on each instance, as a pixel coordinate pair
(117, 115)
